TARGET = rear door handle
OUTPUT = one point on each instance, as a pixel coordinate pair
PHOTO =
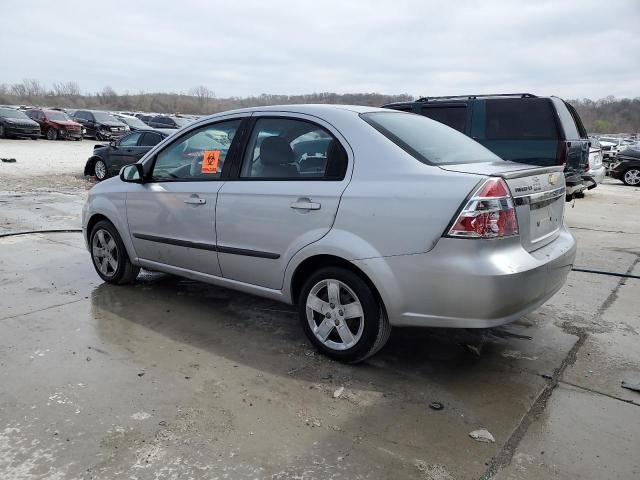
(305, 204)
(195, 201)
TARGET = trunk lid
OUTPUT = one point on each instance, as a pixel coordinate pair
(539, 196)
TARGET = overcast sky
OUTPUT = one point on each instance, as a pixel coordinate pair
(572, 48)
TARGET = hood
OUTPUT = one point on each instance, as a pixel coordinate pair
(110, 123)
(505, 169)
(65, 123)
(26, 122)
(633, 152)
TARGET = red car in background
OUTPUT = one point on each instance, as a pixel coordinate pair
(55, 124)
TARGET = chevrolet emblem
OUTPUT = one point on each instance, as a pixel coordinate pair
(553, 178)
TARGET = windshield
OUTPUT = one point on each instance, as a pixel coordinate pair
(57, 116)
(11, 113)
(429, 141)
(181, 121)
(133, 122)
(105, 117)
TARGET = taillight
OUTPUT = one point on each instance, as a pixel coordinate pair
(561, 154)
(489, 213)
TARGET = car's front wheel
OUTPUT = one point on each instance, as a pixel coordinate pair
(342, 316)
(2, 135)
(52, 134)
(109, 256)
(100, 169)
(632, 177)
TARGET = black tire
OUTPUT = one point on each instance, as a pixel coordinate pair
(100, 170)
(579, 194)
(375, 330)
(2, 134)
(124, 272)
(628, 181)
(52, 134)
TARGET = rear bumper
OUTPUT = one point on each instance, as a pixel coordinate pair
(464, 283)
(593, 177)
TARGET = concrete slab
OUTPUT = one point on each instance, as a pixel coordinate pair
(580, 435)
(173, 377)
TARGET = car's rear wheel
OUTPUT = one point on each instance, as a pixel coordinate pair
(109, 256)
(2, 131)
(342, 316)
(100, 169)
(632, 177)
(52, 134)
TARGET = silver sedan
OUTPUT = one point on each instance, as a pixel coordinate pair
(364, 218)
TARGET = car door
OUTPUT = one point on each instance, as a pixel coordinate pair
(125, 151)
(281, 198)
(172, 215)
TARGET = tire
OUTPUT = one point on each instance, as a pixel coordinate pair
(367, 332)
(52, 134)
(579, 194)
(109, 256)
(100, 170)
(2, 131)
(79, 139)
(631, 177)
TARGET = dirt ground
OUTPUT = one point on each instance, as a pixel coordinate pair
(173, 379)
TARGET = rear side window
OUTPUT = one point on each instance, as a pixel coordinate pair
(576, 118)
(453, 117)
(428, 141)
(520, 119)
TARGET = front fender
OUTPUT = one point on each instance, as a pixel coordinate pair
(113, 207)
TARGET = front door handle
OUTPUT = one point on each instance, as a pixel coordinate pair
(195, 201)
(305, 204)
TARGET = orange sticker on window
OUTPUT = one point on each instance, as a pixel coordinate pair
(210, 161)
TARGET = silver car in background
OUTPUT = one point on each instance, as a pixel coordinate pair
(364, 218)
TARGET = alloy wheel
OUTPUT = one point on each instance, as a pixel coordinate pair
(105, 253)
(335, 314)
(100, 170)
(52, 134)
(632, 177)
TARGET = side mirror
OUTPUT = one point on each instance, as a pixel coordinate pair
(132, 173)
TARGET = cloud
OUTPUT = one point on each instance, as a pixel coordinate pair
(573, 48)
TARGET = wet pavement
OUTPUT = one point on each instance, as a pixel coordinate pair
(170, 378)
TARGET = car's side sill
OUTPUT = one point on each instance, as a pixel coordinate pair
(207, 246)
(270, 293)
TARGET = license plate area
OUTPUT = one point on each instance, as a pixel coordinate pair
(545, 219)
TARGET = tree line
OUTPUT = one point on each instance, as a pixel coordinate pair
(607, 115)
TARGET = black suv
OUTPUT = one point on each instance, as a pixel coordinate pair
(100, 125)
(520, 127)
(165, 121)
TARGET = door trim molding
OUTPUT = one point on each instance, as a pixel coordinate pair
(206, 246)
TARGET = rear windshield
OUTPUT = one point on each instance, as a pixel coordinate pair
(429, 141)
(521, 119)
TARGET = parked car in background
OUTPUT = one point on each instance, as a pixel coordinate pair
(132, 122)
(14, 123)
(520, 127)
(165, 121)
(144, 117)
(107, 160)
(610, 146)
(100, 125)
(626, 166)
(382, 218)
(595, 170)
(55, 124)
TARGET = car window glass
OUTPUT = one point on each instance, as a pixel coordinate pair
(150, 139)
(453, 117)
(426, 140)
(130, 140)
(520, 119)
(199, 155)
(286, 148)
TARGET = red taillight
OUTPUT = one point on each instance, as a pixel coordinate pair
(489, 213)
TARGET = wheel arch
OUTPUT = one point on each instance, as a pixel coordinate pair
(315, 262)
(89, 168)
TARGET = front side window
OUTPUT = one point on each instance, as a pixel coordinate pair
(287, 148)
(454, 117)
(199, 155)
(428, 141)
(150, 139)
(521, 119)
(130, 140)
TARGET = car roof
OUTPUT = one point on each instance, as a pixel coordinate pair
(318, 109)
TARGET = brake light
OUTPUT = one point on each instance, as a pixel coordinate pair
(489, 213)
